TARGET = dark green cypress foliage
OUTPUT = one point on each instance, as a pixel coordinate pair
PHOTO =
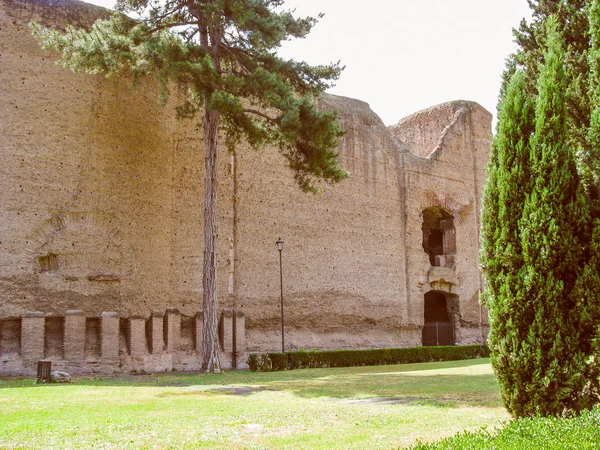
(573, 26)
(540, 262)
(552, 229)
(504, 196)
(571, 16)
(593, 133)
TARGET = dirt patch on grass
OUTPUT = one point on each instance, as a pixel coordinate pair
(389, 400)
(401, 401)
(233, 390)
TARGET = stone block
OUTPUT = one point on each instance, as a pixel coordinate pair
(109, 335)
(74, 336)
(32, 336)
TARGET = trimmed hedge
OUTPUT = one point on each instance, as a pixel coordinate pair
(268, 362)
(549, 433)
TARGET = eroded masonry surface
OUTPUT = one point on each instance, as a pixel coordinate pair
(101, 224)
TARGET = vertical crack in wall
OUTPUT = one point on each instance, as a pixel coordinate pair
(174, 221)
(468, 136)
(402, 183)
(231, 282)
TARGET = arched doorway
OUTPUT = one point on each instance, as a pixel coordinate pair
(439, 236)
(438, 328)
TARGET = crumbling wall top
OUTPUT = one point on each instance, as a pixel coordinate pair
(54, 13)
(423, 131)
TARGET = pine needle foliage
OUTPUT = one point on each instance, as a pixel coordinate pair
(223, 53)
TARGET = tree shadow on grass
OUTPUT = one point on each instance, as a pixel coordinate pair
(474, 389)
(173, 378)
(448, 383)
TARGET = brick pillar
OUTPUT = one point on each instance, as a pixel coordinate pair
(32, 336)
(156, 332)
(74, 335)
(137, 335)
(172, 330)
(239, 339)
(109, 335)
(199, 329)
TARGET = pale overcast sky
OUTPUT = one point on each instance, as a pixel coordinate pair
(402, 56)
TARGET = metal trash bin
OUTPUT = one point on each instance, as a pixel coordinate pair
(44, 368)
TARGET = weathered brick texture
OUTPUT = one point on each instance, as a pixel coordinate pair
(101, 193)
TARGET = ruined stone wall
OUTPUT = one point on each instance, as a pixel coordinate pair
(422, 131)
(342, 257)
(101, 187)
(109, 343)
(450, 177)
(101, 208)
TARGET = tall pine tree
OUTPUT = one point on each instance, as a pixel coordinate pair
(540, 266)
(223, 54)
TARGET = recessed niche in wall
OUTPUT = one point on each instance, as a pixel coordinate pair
(54, 331)
(124, 336)
(92, 338)
(439, 236)
(10, 336)
(47, 263)
(188, 337)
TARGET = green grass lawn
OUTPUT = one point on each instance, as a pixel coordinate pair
(360, 407)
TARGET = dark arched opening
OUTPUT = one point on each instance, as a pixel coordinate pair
(438, 328)
(439, 236)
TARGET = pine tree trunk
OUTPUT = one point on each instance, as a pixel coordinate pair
(210, 337)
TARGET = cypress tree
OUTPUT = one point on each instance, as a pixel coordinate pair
(593, 133)
(223, 54)
(574, 27)
(572, 24)
(540, 264)
(552, 227)
(502, 259)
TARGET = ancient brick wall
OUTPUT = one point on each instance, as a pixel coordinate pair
(101, 210)
(109, 343)
(449, 178)
(101, 187)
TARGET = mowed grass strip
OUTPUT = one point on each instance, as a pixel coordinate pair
(359, 407)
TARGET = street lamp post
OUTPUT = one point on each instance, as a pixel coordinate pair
(280, 248)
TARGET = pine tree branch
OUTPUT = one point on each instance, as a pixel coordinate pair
(234, 52)
(260, 114)
(169, 26)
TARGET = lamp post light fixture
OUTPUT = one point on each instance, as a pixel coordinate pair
(279, 243)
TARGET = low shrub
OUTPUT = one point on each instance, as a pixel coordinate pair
(580, 432)
(351, 358)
